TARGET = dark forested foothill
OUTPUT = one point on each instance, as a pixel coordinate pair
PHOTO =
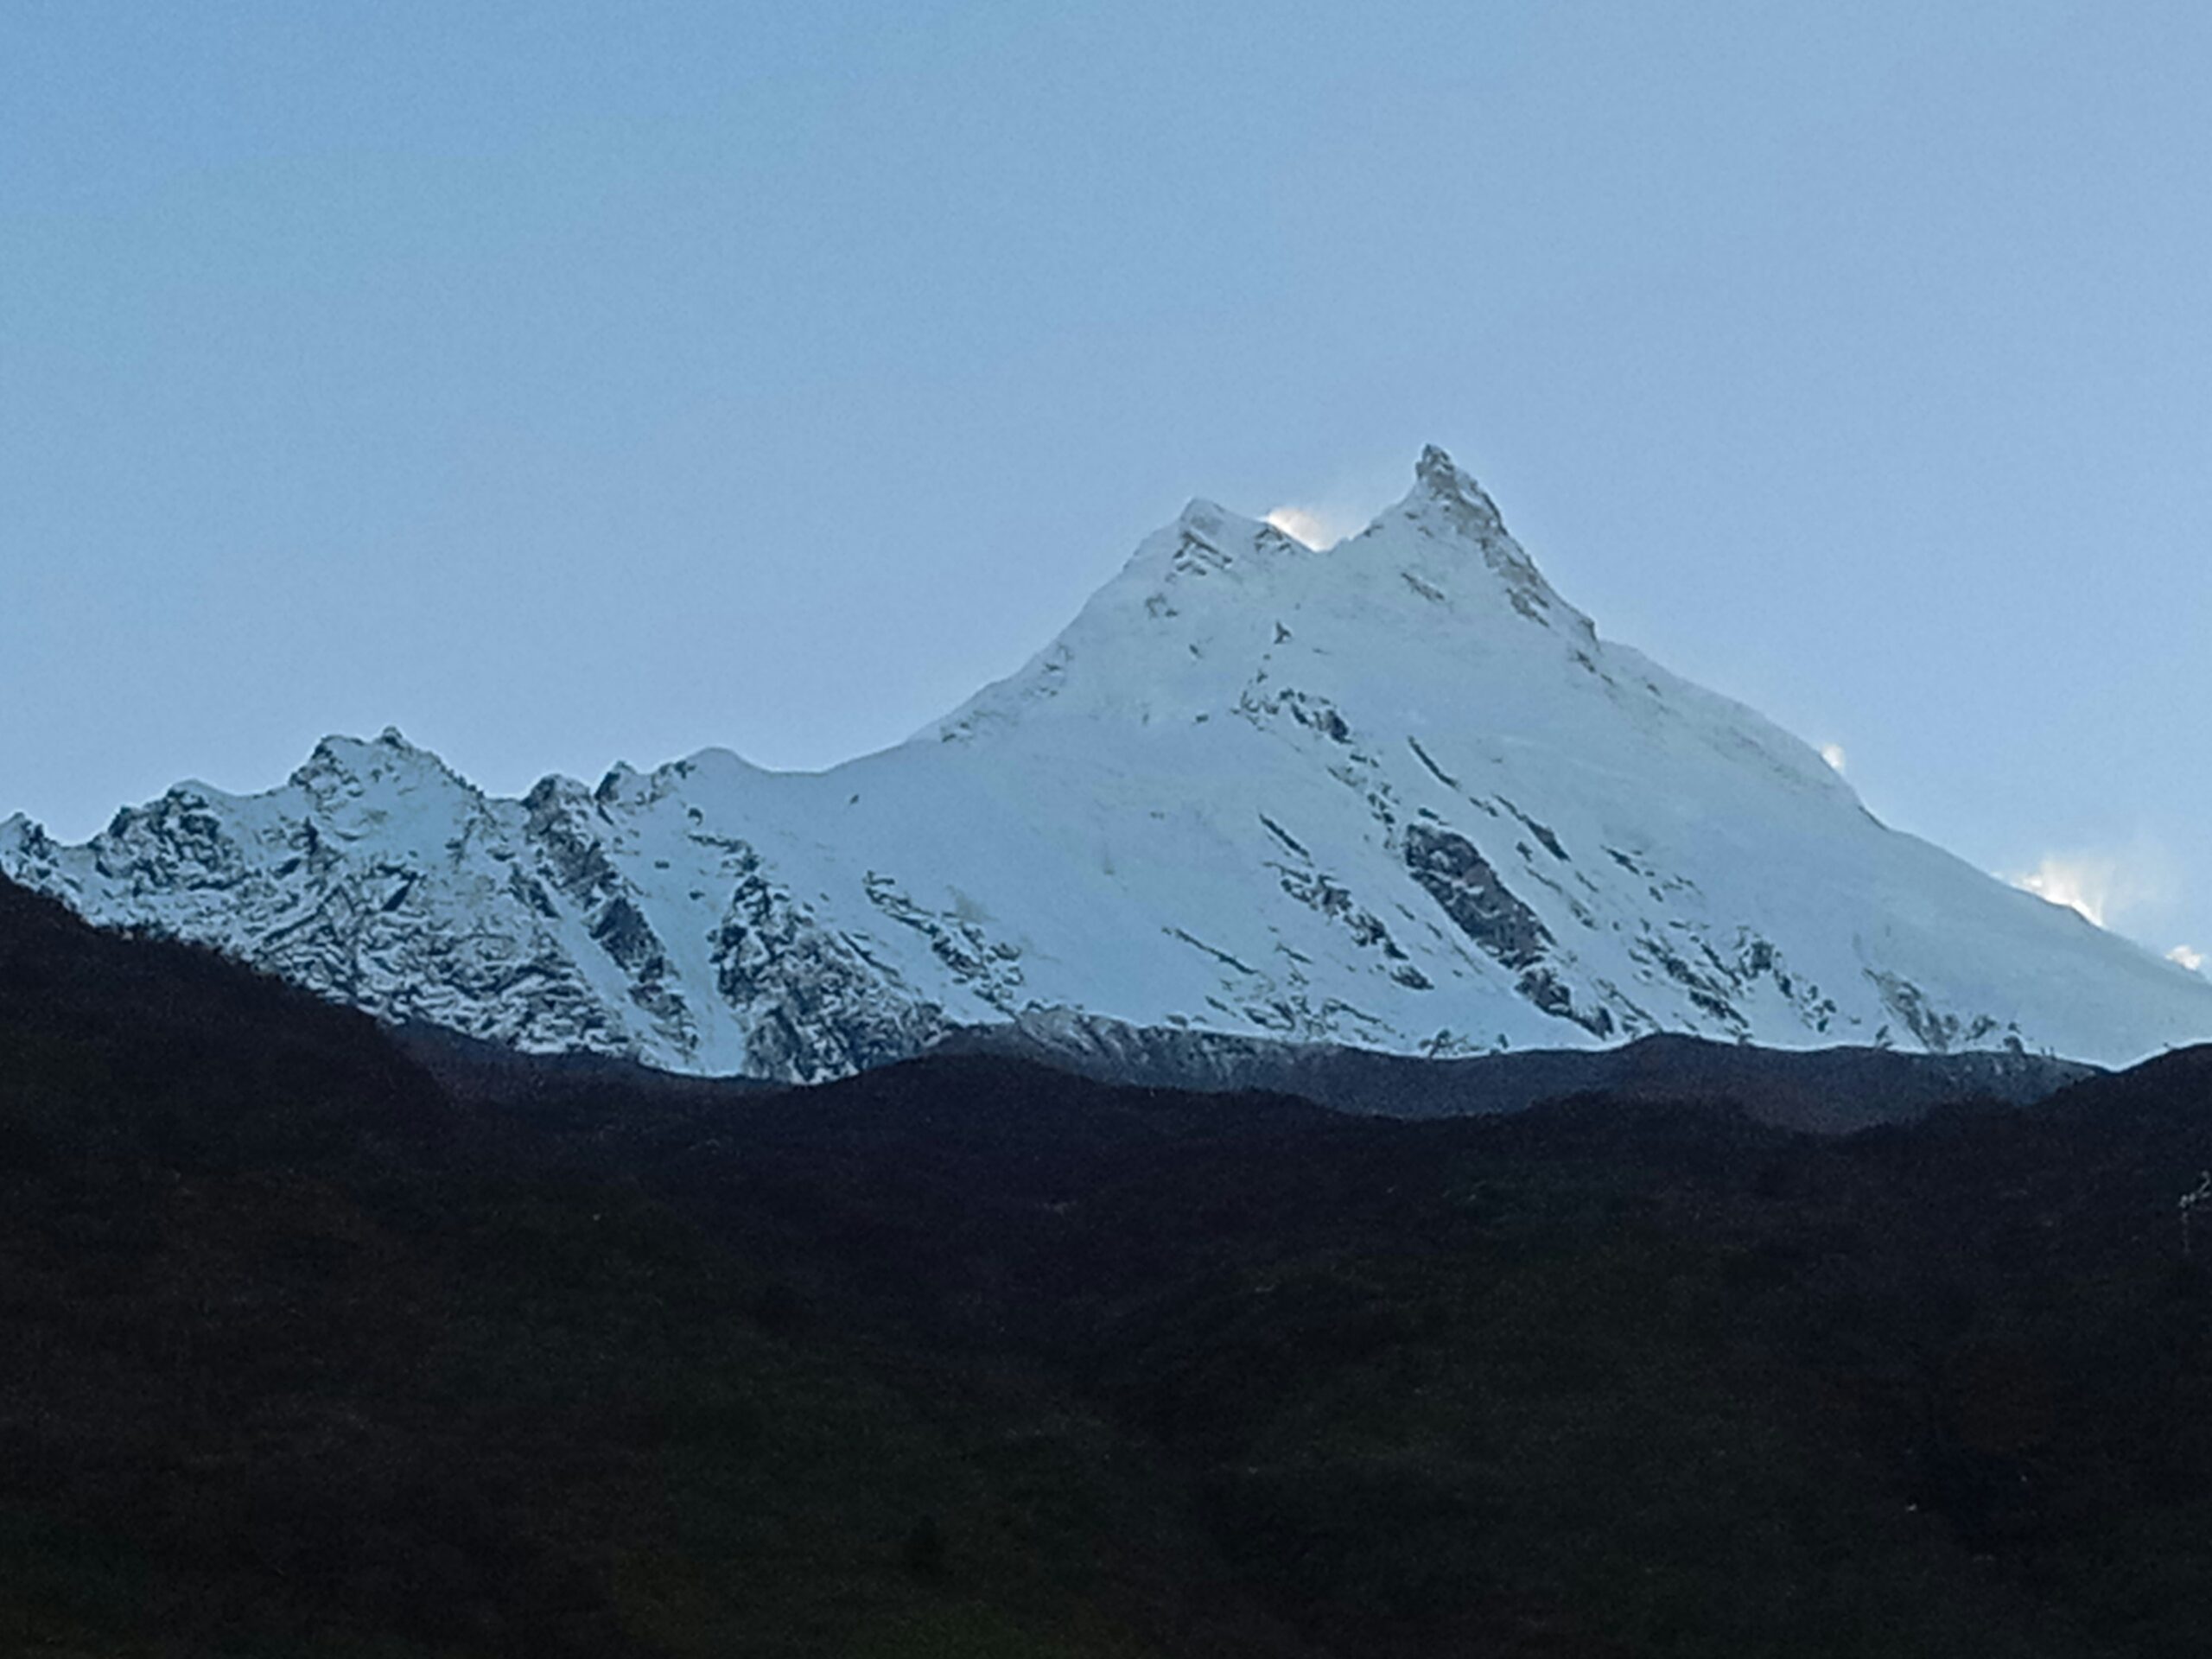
(315, 1344)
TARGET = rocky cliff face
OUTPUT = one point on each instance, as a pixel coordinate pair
(1397, 794)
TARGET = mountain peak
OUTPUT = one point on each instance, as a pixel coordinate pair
(1445, 505)
(1440, 484)
(1397, 793)
(1436, 470)
(348, 764)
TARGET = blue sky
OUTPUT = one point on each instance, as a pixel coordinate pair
(565, 383)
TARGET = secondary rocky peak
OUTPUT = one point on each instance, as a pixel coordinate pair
(341, 749)
(336, 756)
(1212, 524)
(1202, 515)
(343, 767)
(1205, 539)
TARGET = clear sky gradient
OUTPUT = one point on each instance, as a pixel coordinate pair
(567, 384)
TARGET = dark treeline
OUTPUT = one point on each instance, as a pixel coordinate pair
(306, 1349)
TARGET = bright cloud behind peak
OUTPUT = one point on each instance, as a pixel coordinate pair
(2080, 884)
(2092, 884)
(1314, 526)
(2122, 890)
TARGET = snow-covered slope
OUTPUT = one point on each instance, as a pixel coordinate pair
(1397, 794)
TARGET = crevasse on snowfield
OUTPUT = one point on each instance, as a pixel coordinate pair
(1397, 793)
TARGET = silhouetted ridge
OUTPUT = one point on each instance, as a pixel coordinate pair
(220, 1058)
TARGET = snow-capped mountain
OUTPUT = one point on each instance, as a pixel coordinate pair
(1397, 794)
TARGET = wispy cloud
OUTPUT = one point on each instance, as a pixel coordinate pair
(2110, 888)
(2081, 882)
(2087, 883)
(1315, 526)
(1342, 502)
